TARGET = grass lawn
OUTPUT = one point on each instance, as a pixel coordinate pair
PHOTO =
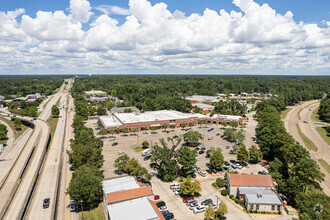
(325, 165)
(95, 214)
(53, 124)
(138, 149)
(309, 144)
(323, 132)
(315, 116)
(285, 112)
(17, 133)
(299, 117)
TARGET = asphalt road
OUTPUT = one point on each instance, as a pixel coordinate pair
(36, 144)
(309, 130)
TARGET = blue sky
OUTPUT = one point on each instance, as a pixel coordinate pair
(143, 36)
(303, 10)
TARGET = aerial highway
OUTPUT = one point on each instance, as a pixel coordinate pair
(18, 186)
(48, 184)
(307, 127)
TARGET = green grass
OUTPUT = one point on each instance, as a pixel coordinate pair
(323, 132)
(299, 117)
(138, 149)
(285, 112)
(18, 132)
(95, 214)
(45, 104)
(325, 165)
(52, 124)
(308, 143)
(315, 115)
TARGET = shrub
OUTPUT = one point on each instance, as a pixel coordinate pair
(263, 212)
(279, 212)
(224, 192)
(255, 211)
(221, 182)
(236, 201)
(214, 184)
(232, 196)
(250, 210)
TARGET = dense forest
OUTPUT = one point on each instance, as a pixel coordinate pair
(324, 110)
(167, 92)
(24, 85)
(291, 165)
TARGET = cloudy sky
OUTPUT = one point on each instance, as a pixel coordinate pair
(186, 36)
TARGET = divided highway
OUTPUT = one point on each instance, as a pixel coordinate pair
(307, 127)
(19, 184)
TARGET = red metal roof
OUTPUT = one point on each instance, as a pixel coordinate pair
(129, 194)
(250, 180)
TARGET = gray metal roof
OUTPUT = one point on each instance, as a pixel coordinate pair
(119, 184)
(259, 196)
(137, 209)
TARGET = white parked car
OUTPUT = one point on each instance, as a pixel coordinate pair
(121, 152)
(112, 138)
(163, 208)
(202, 173)
(210, 138)
(199, 209)
(177, 192)
(192, 206)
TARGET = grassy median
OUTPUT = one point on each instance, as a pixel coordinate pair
(308, 143)
(315, 115)
(94, 214)
(323, 132)
(299, 117)
(53, 124)
(285, 112)
(18, 132)
(325, 165)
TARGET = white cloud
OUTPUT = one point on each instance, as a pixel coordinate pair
(255, 39)
(80, 10)
(112, 9)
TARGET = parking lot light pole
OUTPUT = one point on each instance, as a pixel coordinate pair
(82, 210)
(217, 200)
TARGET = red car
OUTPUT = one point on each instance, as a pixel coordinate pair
(186, 199)
(156, 197)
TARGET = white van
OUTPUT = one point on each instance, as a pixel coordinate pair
(146, 152)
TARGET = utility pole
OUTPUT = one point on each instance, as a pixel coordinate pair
(82, 210)
(217, 200)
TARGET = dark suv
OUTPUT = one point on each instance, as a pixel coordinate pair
(207, 202)
(46, 203)
(160, 204)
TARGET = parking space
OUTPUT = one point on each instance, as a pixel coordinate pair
(128, 143)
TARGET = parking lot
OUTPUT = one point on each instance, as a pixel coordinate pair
(174, 202)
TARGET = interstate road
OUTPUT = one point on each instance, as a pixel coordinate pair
(309, 130)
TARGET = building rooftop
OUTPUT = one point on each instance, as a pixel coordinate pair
(129, 194)
(203, 98)
(121, 109)
(120, 184)
(250, 180)
(110, 121)
(202, 105)
(258, 196)
(162, 115)
(137, 209)
(94, 92)
(227, 117)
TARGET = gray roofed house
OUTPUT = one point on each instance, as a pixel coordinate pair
(122, 109)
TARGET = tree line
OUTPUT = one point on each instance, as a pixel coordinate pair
(324, 109)
(298, 176)
(168, 92)
(24, 85)
(86, 156)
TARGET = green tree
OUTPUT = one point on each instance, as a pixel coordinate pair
(165, 157)
(32, 111)
(133, 167)
(121, 161)
(3, 132)
(145, 144)
(183, 125)
(242, 154)
(55, 111)
(101, 111)
(110, 105)
(86, 186)
(189, 187)
(255, 154)
(154, 128)
(165, 126)
(17, 123)
(222, 209)
(209, 213)
(103, 132)
(134, 130)
(187, 158)
(233, 124)
(22, 104)
(216, 159)
(192, 138)
(128, 110)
